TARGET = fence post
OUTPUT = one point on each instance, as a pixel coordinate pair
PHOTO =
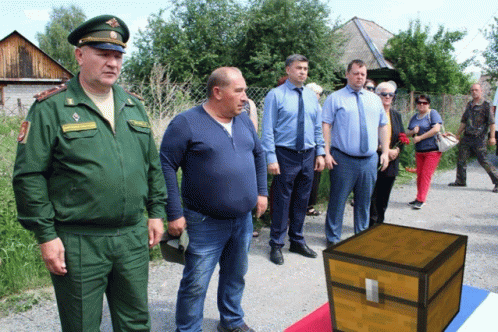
(412, 101)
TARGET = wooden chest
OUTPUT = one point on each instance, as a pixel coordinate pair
(395, 278)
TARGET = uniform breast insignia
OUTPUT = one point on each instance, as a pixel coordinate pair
(76, 117)
(23, 132)
(68, 127)
(50, 92)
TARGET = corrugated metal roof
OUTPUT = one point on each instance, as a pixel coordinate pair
(365, 40)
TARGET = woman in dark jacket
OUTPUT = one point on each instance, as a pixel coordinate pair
(386, 178)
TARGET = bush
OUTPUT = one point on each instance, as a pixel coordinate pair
(21, 266)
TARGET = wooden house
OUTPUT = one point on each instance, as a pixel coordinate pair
(365, 40)
(25, 70)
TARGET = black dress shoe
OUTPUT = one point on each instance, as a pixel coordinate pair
(276, 256)
(302, 249)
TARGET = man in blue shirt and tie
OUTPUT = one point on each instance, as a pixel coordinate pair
(293, 142)
(354, 125)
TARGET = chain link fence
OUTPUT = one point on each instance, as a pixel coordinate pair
(170, 99)
(164, 100)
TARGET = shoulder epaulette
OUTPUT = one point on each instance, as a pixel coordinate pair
(50, 92)
(134, 95)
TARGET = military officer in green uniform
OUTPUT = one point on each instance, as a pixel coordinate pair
(87, 169)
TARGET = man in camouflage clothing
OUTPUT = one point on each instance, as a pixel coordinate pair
(474, 125)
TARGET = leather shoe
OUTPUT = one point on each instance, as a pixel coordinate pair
(457, 184)
(302, 249)
(276, 256)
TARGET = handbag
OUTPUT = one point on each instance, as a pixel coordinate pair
(444, 140)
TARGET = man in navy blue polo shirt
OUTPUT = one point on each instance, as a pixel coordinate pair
(293, 143)
(224, 178)
(354, 123)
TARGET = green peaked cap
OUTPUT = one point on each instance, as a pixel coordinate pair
(105, 32)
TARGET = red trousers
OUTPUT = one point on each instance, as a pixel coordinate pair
(426, 166)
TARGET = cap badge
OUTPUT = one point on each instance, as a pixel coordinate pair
(113, 23)
(76, 117)
(113, 35)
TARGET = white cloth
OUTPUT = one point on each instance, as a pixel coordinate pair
(495, 103)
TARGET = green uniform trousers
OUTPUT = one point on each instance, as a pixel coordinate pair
(115, 265)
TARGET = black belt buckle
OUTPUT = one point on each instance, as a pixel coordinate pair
(303, 151)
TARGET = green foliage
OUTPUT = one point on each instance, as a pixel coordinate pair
(20, 262)
(276, 29)
(63, 20)
(21, 266)
(200, 36)
(426, 63)
(491, 53)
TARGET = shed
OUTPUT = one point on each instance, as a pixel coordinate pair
(365, 40)
(25, 70)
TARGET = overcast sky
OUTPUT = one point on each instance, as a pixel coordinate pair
(30, 17)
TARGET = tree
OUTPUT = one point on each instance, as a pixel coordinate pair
(427, 63)
(276, 29)
(199, 36)
(491, 53)
(63, 20)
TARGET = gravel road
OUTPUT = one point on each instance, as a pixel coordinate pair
(278, 296)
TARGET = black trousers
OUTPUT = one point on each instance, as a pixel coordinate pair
(314, 188)
(380, 198)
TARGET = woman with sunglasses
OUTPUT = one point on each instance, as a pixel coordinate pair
(423, 126)
(369, 85)
(386, 178)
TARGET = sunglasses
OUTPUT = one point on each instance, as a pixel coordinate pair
(370, 88)
(422, 103)
(387, 94)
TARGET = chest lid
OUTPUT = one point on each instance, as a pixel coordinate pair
(398, 245)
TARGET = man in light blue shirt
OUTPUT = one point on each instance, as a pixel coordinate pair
(293, 142)
(354, 125)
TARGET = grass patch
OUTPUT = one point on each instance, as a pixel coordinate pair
(21, 266)
(23, 302)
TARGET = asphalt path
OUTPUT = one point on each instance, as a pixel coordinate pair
(277, 296)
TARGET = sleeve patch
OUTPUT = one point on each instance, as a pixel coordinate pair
(23, 132)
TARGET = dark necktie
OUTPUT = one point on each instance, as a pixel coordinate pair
(363, 125)
(300, 121)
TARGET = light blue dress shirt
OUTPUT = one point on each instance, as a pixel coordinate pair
(280, 121)
(341, 112)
